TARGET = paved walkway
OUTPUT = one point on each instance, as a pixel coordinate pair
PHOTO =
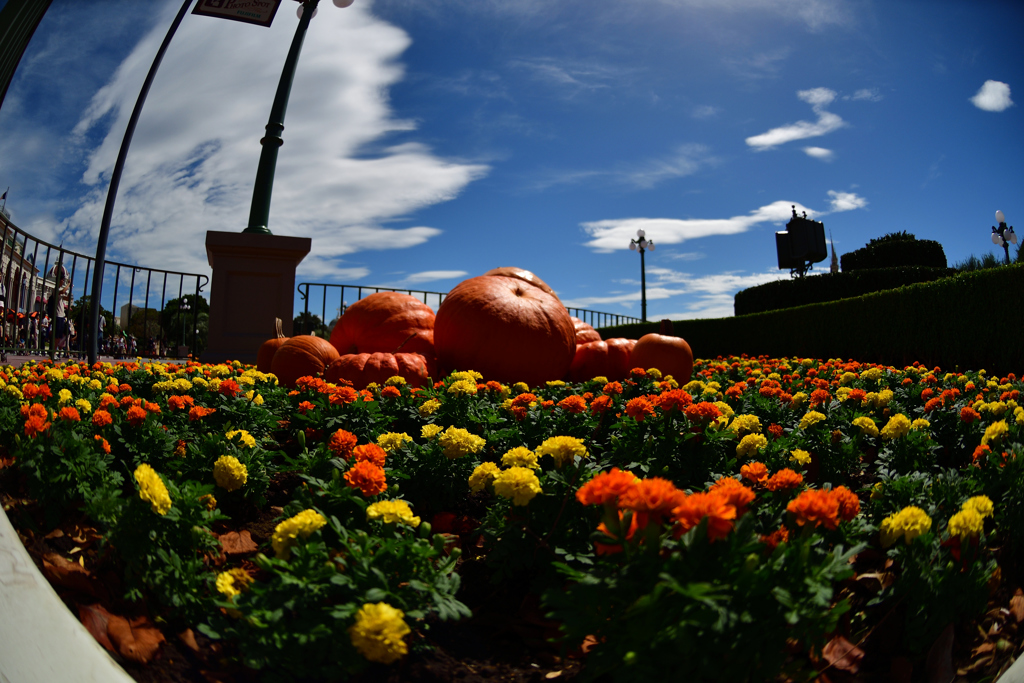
(17, 360)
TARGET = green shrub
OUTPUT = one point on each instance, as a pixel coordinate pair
(893, 250)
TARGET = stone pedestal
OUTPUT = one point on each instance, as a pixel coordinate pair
(253, 283)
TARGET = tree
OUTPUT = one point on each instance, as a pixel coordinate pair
(80, 311)
(308, 323)
(181, 317)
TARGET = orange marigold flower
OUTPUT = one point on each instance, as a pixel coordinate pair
(370, 452)
(69, 414)
(776, 430)
(784, 479)
(228, 387)
(969, 415)
(573, 404)
(601, 404)
(980, 453)
(735, 391)
(735, 493)
(754, 472)
(136, 415)
(199, 412)
(673, 398)
(650, 499)
(493, 386)
(523, 400)
(932, 404)
(638, 372)
(702, 412)
(638, 408)
(819, 397)
(101, 418)
(107, 401)
(366, 477)
(606, 487)
(849, 503)
(127, 401)
(816, 508)
(180, 402)
(305, 407)
(692, 509)
(36, 425)
(342, 443)
(612, 548)
(612, 388)
(151, 407)
(772, 540)
(343, 395)
(927, 394)
(104, 444)
(390, 392)
(125, 387)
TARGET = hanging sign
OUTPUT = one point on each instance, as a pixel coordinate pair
(250, 11)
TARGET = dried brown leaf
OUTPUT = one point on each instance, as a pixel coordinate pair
(237, 543)
(95, 618)
(842, 654)
(137, 640)
(1017, 605)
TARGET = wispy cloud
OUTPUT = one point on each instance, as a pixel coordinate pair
(704, 111)
(993, 96)
(816, 15)
(868, 94)
(820, 153)
(571, 77)
(827, 122)
(845, 201)
(414, 280)
(684, 160)
(194, 156)
(764, 65)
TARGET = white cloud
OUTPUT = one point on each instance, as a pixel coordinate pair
(827, 122)
(614, 234)
(683, 161)
(869, 94)
(193, 161)
(428, 276)
(993, 96)
(820, 153)
(571, 77)
(704, 111)
(845, 201)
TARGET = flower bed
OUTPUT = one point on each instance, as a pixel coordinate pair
(771, 517)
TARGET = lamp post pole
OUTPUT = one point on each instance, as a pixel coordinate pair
(642, 244)
(259, 211)
(1004, 235)
(183, 307)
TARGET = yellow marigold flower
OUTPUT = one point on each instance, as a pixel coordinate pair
(798, 400)
(463, 387)
(966, 523)
(429, 407)
(14, 391)
(800, 456)
(152, 489)
(470, 375)
(83, 406)
(519, 484)
(63, 396)
(393, 440)
(920, 425)
(910, 522)
(555, 383)
(483, 475)
(378, 632)
(244, 437)
(884, 397)
(200, 382)
(872, 374)
(898, 426)
(95, 385)
(812, 418)
(745, 424)
(653, 373)
(995, 432)
(847, 379)
(725, 409)
(430, 431)
(213, 384)
(694, 387)
(287, 532)
(257, 399)
(246, 381)
(600, 379)
(232, 582)
(562, 448)
(1018, 416)
(996, 408)
(843, 393)
(750, 445)
(229, 473)
(182, 384)
(458, 442)
(392, 512)
(866, 425)
(521, 387)
(395, 381)
(520, 456)
(980, 504)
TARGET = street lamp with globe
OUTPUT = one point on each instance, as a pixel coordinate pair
(1003, 236)
(642, 244)
(183, 310)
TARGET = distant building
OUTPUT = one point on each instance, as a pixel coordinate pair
(26, 287)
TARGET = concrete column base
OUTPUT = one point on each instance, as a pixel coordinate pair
(253, 283)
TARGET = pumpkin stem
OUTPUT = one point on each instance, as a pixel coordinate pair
(280, 330)
(403, 343)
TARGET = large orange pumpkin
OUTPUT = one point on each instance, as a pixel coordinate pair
(584, 332)
(365, 368)
(265, 356)
(671, 355)
(505, 329)
(524, 275)
(300, 356)
(609, 358)
(385, 321)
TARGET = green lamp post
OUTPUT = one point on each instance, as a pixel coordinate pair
(259, 212)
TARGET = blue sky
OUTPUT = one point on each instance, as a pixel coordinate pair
(430, 142)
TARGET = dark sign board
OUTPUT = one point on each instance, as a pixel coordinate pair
(803, 241)
(259, 12)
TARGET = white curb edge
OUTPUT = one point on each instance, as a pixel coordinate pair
(40, 640)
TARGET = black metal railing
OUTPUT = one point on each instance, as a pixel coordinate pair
(320, 297)
(29, 324)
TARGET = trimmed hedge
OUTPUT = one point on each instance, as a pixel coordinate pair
(968, 321)
(891, 251)
(817, 289)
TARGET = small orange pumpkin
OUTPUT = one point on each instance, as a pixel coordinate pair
(367, 368)
(584, 332)
(609, 358)
(382, 321)
(671, 355)
(300, 356)
(265, 356)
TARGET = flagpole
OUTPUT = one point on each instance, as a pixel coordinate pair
(115, 180)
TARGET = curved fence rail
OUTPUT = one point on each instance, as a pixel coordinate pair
(324, 303)
(35, 320)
